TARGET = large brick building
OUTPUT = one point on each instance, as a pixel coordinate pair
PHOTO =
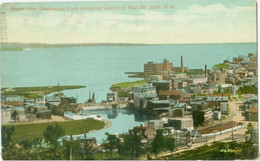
(158, 68)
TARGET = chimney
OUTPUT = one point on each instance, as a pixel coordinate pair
(205, 71)
(181, 61)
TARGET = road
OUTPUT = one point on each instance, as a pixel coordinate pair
(238, 135)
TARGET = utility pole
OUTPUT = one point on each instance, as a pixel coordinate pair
(180, 138)
(70, 154)
(206, 140)
(220, 127)
(232, 131)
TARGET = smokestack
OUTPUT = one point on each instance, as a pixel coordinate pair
(205, 71)
(181, 61)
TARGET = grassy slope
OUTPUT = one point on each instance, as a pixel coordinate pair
(129, 85)
(72, 127)
(36, 92)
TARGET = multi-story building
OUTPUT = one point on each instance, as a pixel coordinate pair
(202, 117)
(157, 68)
(164, 95)
(162, 86)
(180, 123)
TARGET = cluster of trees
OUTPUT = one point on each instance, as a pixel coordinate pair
(51, 148)
(132, 147)
(247, 90)
(46, 148)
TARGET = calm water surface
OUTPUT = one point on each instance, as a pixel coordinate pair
(122, 120)
(98, 67)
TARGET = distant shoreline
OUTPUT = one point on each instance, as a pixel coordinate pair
(45, 45)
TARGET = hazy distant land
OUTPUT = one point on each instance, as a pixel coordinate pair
(25, 46)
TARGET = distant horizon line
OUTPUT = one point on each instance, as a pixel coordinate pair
(122, 44)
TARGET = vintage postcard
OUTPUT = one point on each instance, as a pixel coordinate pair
(129, 80)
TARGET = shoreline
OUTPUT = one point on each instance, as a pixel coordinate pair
(107, 124)
(103, 107)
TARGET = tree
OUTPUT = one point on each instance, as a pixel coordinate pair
(131, 146)
(78, 149)
(170, 143)
(6, 133)
(16, 152)
(111, 142)
(51, 134)
(249, 128)
(248, 150)
(158, 142)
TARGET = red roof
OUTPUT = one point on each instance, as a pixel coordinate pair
(253, 110)
(219, 127)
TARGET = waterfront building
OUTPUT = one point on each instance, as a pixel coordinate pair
(154, 104)
(112, 97)
(140, 99)
(152, 68)
(156, 124)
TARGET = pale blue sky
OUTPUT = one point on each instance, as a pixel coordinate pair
(190, 21)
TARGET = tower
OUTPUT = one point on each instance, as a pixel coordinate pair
(182, 69)
(205, 71)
